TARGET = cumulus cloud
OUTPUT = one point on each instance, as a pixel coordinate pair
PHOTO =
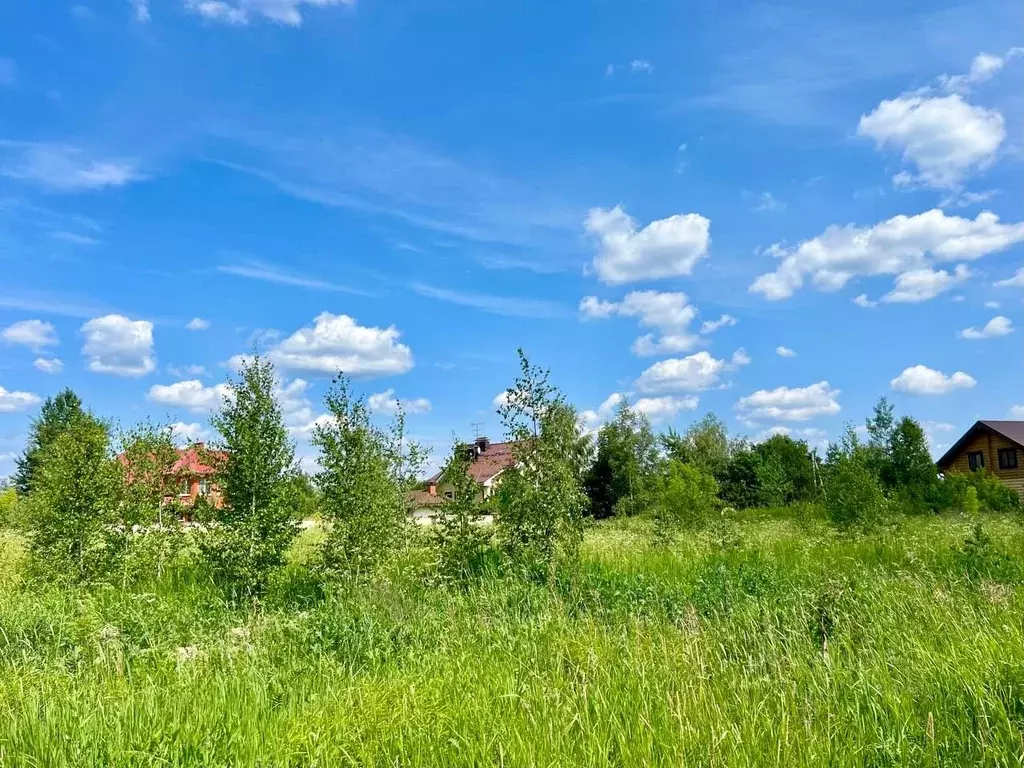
(997, 326)
(921, 380)
(784, 352)
(917, 285)
(863, 301)
(789, 404)
(650, 345)
(338, 343)
(899, 245)
(1016, 281)
(666, 407)
(664, 248)
(670, 312)
(191, 394)
(48, 365)
(243, 12)
(62, 168)
(696, 373)
(198, 324)
(386, 402)
(984, 67)
(991, 305)
(710, 326)
(34, 334)
(591, 419)
(114, 344)
(1017, 411)
(944, 137)
(183, 433)
(13, 401)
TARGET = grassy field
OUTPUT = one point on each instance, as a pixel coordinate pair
(766, 641)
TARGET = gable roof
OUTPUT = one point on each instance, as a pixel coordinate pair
(196, 460)
(1010, 430)
(488, 464)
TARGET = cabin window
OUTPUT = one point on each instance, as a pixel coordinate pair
(976, 460)
(204, 487)
(186, 487)
(1007, 458)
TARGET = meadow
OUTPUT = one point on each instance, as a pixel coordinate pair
(769, 638)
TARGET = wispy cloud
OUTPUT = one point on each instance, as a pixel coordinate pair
(64, 168)
(499, 305)
(259, 270)
(52, 303)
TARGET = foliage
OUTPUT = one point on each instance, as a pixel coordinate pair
(255, 526)
(56, 415)
(541, 499)
(685, 500)
(739, 482)
(8, 506)
(793, 465)
(853, 496)
(705, 445)
(959, 491)
(774, 486)
(75, 502)
(147, 454)
(460, 536)
(364, 472)
(626, 458)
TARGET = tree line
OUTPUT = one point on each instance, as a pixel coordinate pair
(93, 500)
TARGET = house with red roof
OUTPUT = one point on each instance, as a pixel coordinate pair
(192, 476)
(487, 461)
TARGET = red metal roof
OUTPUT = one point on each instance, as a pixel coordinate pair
(487, 464)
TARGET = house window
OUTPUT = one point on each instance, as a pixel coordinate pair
(204, 487)
(1007, 458)
(976, 460)
(449, 494)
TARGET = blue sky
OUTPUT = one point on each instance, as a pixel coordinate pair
(778, 212)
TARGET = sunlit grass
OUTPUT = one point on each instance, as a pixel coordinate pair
(764, 640)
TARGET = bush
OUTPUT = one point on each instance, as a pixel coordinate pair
(461, 538)
(990, 494)
(686, 499)
(853, 496)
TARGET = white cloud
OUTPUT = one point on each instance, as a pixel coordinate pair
(191, 394)
(945, 137)
(187, 433)
(62, 168)
(141, 8)
(900, 244)
(666, 407)
(649, 345)
(386, 402)
(593, 308)
(34, 334)
(789, 404)
(1016, 281)
(863, 301)
(768, 203)
(784, 352)
(696, 373)
(11, 402)
(1017, 411)
(991, 305)
(641, 65)
(242, 12)
(917, 285)
(710, 326)
(114, 344)
(664, 248)
(815, 436)
(591, 419)
(305, 430)
(48, 365)
(984, 67)
(198, 324)
(181, 371)
(920, 380)
(739, 358)
(338, 343)
(997, 326)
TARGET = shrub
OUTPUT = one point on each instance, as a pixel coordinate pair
(459, 535)
(853, 496)
(988, 493)
(686, 499)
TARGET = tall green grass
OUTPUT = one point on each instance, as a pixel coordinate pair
(765, 641)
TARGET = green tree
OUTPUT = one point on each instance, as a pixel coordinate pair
(739, 482)
(459, 535)
(686, 499)
(541, 499)
(255, 526)
(775, 489)
(627, 456)
(911, 470)
(791, 460)
(147, 453)
(853, 496)
(364, 472)
(75, 502)
(58, 412)
(705, 445)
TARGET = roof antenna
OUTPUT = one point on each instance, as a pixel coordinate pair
(476, 428)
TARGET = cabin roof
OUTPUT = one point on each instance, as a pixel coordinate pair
(1010, 430)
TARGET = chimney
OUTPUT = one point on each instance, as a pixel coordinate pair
(432, 489)
(482, 444)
